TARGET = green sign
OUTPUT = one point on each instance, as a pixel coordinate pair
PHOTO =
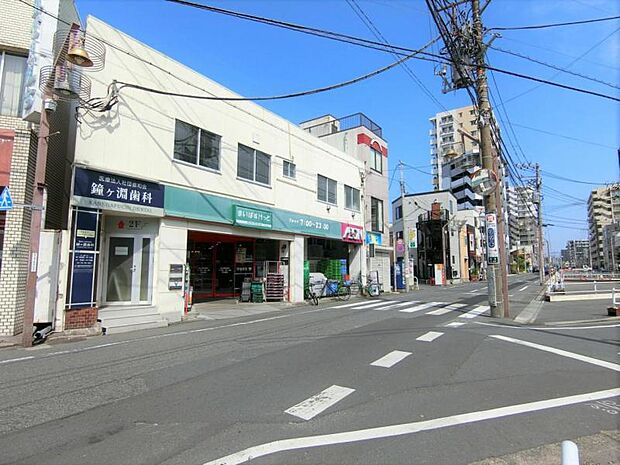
(252, 217)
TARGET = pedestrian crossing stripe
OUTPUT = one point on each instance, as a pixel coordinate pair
(6, 202)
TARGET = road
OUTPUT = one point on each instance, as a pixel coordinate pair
(426, 378)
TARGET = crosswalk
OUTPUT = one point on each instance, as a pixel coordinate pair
(466, 311)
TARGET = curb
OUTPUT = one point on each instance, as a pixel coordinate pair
(529, 314)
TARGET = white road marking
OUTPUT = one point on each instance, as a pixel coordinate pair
(455, 324)
(546, 328)
(523, 288)
(391, 359)
(401, 304)
(564, 353)
(449, 308)
(356, 304)
(370, 305)
(475, 312)
(402, 429)
(314, 405)
(417, 308)
(430, 336)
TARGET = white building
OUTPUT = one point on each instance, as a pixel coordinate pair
(167, 188)
(362, 139)
(603, 209)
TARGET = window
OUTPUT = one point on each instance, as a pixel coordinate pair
(399, 212)
(196, 146)
(376, 160)
(326, 189)
(253, 165)
(13, 68)
(351, 198)
(376, 215)
(289, 169)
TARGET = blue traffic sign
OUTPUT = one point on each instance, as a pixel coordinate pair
(6, 202)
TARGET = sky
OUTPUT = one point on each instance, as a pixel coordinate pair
(570, 134)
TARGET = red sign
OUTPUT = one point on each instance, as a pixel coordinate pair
(352, 233)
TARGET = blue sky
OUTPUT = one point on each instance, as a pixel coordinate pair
(254, 59)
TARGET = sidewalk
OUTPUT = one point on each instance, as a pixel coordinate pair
(231, 308)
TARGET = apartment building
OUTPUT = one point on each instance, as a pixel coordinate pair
(576, 254)
(362, 139)
(603, 210)
(26, 46)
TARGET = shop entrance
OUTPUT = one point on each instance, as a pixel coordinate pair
(129, 269)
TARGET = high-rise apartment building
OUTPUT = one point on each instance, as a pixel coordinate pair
(603, 210)
(522, 216)
(576, 254)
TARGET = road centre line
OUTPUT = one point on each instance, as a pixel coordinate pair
(430, 336)
(391, 359)
(564, 353)
(523, 288)
(417, 308)
(314, 405)
(447, 309)
(402, 429)
(475, 312)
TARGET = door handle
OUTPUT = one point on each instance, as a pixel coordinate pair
(133, 268)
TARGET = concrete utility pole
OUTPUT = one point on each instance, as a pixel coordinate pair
(401, 167)
(496, 272)
(541, 249)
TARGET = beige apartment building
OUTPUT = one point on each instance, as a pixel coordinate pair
(603, 210)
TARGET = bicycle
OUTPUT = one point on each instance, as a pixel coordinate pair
(330, 288)
(371, 289)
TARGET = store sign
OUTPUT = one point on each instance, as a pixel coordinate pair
(374, 238)
(252, 217)
(106, 191)
(492, 247)
(84, 254)
(412, 237)
(352, 233)
(400, 246)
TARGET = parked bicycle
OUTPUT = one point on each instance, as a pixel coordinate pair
(330, 288)
(371, 289)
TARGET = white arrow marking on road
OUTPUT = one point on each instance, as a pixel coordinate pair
(564, 353)
(428, 337)
(391, 359)
(475, 312)
(455, 324)
(311, 407)
(449, 308)
(523, 288)
(389, 307)
(402, 429)
(417, 308)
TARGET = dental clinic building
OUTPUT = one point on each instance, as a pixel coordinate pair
(173, 191)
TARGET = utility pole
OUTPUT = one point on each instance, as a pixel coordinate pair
(496, 272)
(405, 230)
(541, 258)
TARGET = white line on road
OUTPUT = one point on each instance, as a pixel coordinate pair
(449, 308)
(546, 328)
(430, 336)
(455, 324)
(417, 308)
(391, 359)
(370, 305)
(361, 304)
(402, 429)
(475, 312)
(523, 288)
(401, 304)
(564, 353)
(311, 407)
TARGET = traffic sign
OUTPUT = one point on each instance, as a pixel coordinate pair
(6, 202)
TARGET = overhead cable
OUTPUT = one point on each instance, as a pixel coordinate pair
(545, 26)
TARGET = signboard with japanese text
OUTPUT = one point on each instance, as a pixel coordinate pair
(492, 247)
(412, 237)
(374, 238)
(352, 233)
(95, 189)
(84, 255)
(252, 217)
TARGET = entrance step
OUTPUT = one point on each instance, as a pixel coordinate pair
(124, 319)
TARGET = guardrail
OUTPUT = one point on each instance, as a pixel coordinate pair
(590, 276)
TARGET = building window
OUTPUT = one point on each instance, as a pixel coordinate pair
(326, 189)
(13, 68)
(196, 146)
(351, 198)
(376, 215)
(253, 165)
(289, 169)
(376, 160)
(399, 212)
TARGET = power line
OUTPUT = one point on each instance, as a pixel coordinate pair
(577, 181)
(545, 26)
(563, 136)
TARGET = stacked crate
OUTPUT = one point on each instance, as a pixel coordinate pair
(332, 269)
(275, 286)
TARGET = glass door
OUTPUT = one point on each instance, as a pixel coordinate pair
(129, 274)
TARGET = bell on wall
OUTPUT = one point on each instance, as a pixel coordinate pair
(77, 53)
(66, 83)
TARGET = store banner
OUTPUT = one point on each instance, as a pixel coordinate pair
(252, 217)
(374, 238)
(492, 247)
(352, 233)
(95, 189)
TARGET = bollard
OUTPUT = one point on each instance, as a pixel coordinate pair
(570, 453)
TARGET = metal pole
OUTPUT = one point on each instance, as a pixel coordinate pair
(35, 228)
(405, 231)
(488, 162)
(541, 245)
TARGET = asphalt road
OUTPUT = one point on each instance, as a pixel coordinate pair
(387, 381)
